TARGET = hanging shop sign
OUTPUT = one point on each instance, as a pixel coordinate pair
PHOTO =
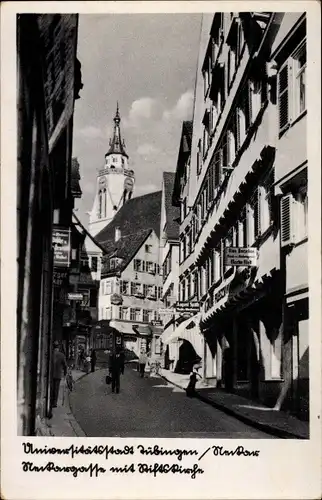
(188, 306)
(247, 256)
(116, 299)
(61, 246)
(75, 296)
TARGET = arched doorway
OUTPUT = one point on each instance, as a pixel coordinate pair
(187, 358)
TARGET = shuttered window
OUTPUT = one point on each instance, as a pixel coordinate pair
(286, 220)
(218, 168)
(283, 96)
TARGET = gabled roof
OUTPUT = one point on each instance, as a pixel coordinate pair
(135, 219)
(125, 248)
(184, 152)
(172, 214)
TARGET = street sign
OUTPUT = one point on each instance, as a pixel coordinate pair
(247, 256)
(61, 245)
(75, 296)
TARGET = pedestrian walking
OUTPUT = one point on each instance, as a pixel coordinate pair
(93, 360)
(115, 369)
(59, 369)
(191, 388)
(142, 362)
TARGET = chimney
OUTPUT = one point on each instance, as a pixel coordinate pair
(117, 233)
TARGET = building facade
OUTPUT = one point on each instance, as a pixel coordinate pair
(243, 236)
(131, 284)
(48, 82)
(169, 262)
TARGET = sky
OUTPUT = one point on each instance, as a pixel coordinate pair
(146, 62)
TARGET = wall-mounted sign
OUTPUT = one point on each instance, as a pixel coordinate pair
(116, 299)
(61, 246)
(75, 296)
(156, 323)
(166, 312)
(128, 184)
(187, 306)
(241, 256)
(59, 276)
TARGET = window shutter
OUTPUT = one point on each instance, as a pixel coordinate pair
(259, 211)
(238, 129)
(287, 220)
(249, 103)
(283, 97)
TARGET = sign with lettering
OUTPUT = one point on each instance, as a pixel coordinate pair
(193, 306)
(247, 256)
(75, 296)
(156, 323)
(61, 246)
(165, 312)
(59, 276)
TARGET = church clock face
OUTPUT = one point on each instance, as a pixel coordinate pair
(128, 184)
(102, 182)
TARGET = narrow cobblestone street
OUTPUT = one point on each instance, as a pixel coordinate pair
(149, 407)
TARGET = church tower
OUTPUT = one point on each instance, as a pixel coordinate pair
(115, 182)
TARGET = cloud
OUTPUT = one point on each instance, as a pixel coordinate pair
(90, 132)
(147, 149)
(143, 109)
(182, 110)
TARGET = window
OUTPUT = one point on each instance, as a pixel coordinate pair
(146, 315)
(199, 159)
(113, 263)
(108, 287)
(188, 285)
(133, 288)
(145, 289)
(108, 313)
(299, 59)
(124, 287)
(94, 264)
(302, 212)
(150, 267)
(292, 88)
(159, 292)
(123, 313)
(266, 200)
(148, 248)
(137, 265)
(135, 314)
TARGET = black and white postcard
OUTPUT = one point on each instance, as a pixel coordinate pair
(160, 249)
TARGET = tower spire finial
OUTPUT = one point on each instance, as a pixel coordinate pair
(117, 117)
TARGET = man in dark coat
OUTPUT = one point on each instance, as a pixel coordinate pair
(93, 360)
(116, 365)
(59, 369)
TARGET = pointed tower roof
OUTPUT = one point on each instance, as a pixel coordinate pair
(117, 145)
